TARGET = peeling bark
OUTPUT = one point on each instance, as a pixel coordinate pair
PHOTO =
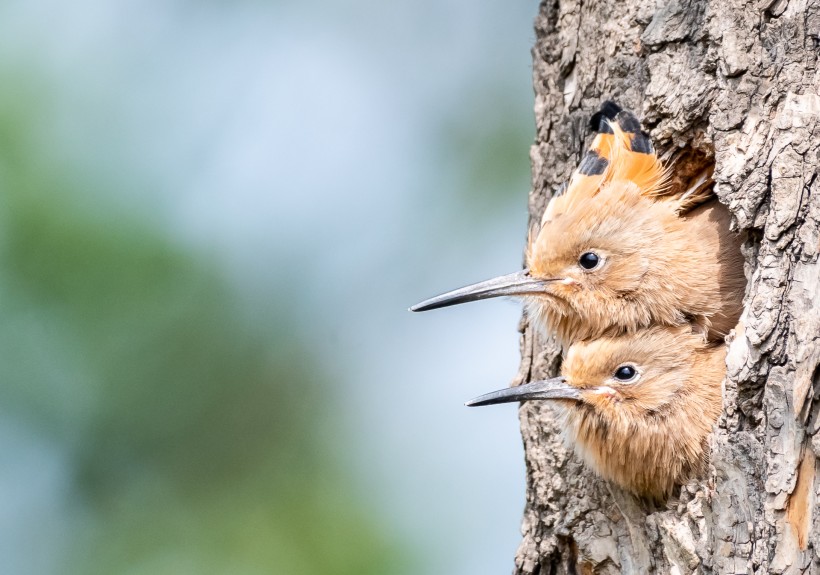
(735, 82)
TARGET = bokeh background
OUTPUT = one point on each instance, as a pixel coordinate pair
(213, 217)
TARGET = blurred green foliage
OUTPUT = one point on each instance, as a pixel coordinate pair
(195, 429)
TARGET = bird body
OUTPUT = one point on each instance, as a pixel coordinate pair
(636, 408)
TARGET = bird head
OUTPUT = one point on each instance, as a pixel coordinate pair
(600, 258)
(637, 408)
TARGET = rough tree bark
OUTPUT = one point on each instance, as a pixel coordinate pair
(734, 82)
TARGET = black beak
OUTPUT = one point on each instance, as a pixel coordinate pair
(517, 284)
(555, 388)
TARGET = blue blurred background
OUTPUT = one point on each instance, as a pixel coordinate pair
(213, 218)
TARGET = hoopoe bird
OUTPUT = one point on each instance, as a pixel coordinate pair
(619, 251)
(636, 408)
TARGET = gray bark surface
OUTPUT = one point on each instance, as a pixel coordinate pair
(736, 83)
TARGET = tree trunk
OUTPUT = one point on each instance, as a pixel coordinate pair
(734, 83)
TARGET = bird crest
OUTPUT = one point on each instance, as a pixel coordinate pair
(621, 153)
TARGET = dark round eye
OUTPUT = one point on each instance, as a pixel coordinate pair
(589, 260)
(625, 373)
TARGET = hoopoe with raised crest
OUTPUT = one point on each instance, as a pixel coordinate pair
(619, 250)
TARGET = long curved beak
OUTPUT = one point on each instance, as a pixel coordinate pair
(516, 284)
(555, 388)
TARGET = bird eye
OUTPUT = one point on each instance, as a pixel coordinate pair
(626, 374)
(589, 260)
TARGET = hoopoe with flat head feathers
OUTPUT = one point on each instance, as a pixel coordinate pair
(619, 251)
(637, 408)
